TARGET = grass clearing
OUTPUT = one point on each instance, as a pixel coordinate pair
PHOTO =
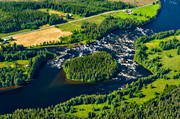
(168, 58)
(21, 63)
(149, 92)
(150, 10)
(60, 13)
(136, 2)
(82, 110)
(77, 25)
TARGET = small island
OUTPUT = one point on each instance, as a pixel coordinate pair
(92, 68)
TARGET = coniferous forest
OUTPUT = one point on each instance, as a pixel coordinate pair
(25, 15)
(92, 68)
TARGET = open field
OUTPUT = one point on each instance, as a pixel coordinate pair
(136, 2)
(21, 63)
(37, 37)
(60, 13)
(169, 58)
(155, 87)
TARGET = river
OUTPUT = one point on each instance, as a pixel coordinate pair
(51, 88)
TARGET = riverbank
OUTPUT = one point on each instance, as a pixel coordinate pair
(5, 90)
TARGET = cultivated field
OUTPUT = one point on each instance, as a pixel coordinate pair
(37, 37)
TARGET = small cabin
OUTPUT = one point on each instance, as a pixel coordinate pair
(63, 15)
(6, 39)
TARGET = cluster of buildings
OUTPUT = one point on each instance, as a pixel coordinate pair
(67, 15)
(130, 12)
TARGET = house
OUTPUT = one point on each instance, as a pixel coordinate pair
(6, 39)
(130, 12)
(63, 15)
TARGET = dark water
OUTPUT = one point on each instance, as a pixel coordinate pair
(50, 88)
(169, 17)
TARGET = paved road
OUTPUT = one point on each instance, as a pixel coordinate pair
(109, 12)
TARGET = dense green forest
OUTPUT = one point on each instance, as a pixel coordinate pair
(25, 15)
(14, 73)
(11, 21)
(95, 67)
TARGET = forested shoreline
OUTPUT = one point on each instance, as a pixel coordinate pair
(18, 75)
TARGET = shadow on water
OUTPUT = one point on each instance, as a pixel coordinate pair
(50, 87)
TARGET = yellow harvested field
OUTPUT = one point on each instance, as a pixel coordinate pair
(37, 37)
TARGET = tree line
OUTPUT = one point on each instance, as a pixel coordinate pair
(27, 19)
(39, 60)
(80, 7)
(170, 44)
(95, 67)
(11, 77)
(18, 75)
(25, 15)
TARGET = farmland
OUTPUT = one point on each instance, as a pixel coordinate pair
(39, 37)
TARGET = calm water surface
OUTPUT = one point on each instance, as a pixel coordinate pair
(50, 88)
